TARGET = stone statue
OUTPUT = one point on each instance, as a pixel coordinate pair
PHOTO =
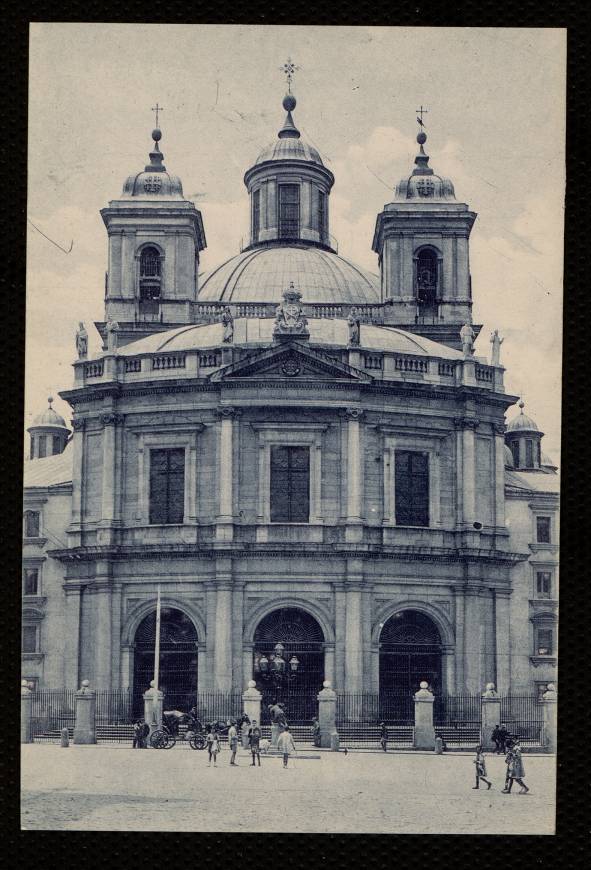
(228, 324)
(467, 335)
(353, 324)
(289, 316)
(496, 341)
(82, 341)
(112, 329)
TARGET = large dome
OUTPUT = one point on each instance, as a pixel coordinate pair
(262, 274)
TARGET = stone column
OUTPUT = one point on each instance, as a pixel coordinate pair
(26, 713)
(251, 702)
(109, 462)
(353, 476)
(448, 669)
(491, 716)
(78, 425)
(102, 636)
(72, 634)
(549, 700)
(222, 663)
(210, 623)
(503, 640)
(460, 619)
(499, 492)
(224, 528)
(340, 639)
(353, 638)
(153, 702)
(329, 659)
(424, 732)
(468, 471)
(472, 641)
(327, 716)
(85, 724)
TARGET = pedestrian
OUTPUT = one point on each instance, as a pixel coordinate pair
(245, 732)
(254, 740)
(480, 768)
(316, 732)
(285, 745)
(496, 739)
(233, 742)
(140, 733)
(213, 746)
(438, 744)
(515, 769)
(383, 736)
(503, 736)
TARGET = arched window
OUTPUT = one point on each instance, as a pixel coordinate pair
(150, 274)
(426, 277)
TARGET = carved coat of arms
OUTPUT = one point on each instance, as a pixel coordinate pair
(289, 316)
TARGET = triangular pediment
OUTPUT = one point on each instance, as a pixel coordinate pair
(291, 361)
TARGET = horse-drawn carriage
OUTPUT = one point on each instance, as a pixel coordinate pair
(195, 733)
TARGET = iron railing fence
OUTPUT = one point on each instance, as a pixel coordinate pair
(393, 708)
(114, 707)
(52, 709)
(457, 710)
(523, 716)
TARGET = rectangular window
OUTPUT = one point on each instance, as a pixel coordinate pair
(543, 584)
(29, 638)
(529, 453)
(411, 482)
(544, 645)
(32, 524)
(30, 581)
(256, 215)
(514, 445)
(167, 486)
(322, 215)
(289, 211)
(56, 446)
(543, 530)
(42, 446)
(290, 484)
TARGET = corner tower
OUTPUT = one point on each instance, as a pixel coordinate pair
(289, 186)
(421, 239)
(155, 237)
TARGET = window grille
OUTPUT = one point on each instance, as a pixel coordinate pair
(167, 486)
(289, 211)
(544, 642)
(290, 484)
(426, 278)
(411, 483)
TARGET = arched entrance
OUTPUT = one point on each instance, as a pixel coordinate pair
(288, 662)
(410, 652)
(178, 659)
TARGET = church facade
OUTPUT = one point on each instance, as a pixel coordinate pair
(307, 459)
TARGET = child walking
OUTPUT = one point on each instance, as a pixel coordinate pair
(285, 745)
(213, 746)
(480, 768)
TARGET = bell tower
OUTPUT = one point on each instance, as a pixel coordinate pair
(422, 242)
(155, 237)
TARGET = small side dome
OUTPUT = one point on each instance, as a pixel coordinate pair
(522, 423)
(154, 182)
(49, 418)
(508, 458)
(423, 184)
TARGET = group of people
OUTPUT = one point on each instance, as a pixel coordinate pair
(513, 760)
(285, 744)
(499, 737)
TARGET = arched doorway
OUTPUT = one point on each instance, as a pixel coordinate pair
(288, 662)
(178, 659)
(410, 652)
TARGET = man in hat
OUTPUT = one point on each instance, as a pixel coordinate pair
(515, 769)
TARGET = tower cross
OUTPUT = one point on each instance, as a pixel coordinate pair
(289, 68)
(421, 112)
(157, 109)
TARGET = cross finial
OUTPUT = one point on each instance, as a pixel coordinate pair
(157, 109)
(421, 112)
(289, 68)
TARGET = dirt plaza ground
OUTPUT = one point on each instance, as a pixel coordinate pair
(113, 787)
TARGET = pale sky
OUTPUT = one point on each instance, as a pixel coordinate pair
(496, 127)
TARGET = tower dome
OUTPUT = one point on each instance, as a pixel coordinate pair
(524, 439)
(49, 433)
(423, 183)
(154, 182)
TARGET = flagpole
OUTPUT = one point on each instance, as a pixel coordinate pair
(157, 643)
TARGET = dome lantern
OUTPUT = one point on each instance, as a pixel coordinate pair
(49, 433)
(289, 187)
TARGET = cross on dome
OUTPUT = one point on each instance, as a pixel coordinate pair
(289, 69)
(157, 109)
